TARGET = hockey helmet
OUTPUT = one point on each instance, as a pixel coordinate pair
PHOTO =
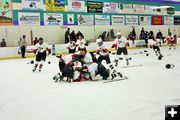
(119, 33)
(98, 40)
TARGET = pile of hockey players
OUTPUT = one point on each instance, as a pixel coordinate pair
(83, 65)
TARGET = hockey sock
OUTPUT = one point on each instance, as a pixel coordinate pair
(127, 61)
(156, 53)
(40, 67)
(112, 68)
(35, 66)
(116, 63)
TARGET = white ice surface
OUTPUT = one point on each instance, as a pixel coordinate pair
(34, 96)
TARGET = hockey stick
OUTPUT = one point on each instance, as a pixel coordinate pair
(132, 66)
(108, 81)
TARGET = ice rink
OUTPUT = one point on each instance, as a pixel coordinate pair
(34, 96)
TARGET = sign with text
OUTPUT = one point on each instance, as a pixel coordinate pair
(28, 18)
(168, 20)
(110, 7)
(76, 6)
(138, 8)
(32, 4)
(102, 20)
(131, 20)
(6, 12)
(85, 20)
(53, 19)
(55, 5)
(157, 20)
(94, 7)
(145, 20)
(125, 8)
(176, 20)
(118, 20)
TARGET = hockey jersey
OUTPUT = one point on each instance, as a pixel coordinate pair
(81, 43)
(103, 49)
(120, 43)
(71, 45)
(41, 47)
(92, 68)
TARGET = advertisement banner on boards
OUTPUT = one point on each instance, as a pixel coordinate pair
(168, 20)
(144, 20)
(70, 19)
(6, 17)
(110, 7)
(125, 8)
(138, 8)
(76, 6)
(131, 20)
(55, 5)
(148, 9)
(32, 5)
(176, 20)
(85, 20)
(25, 18)
(118, 20)
(157, 20)
(94, 7)
(53, 19)
(102, 20)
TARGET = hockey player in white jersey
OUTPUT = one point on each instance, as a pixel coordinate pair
(93, 66)
(104, 54)
(103, 51)
(120, 44)
(71, 46)
(171, 40)
(155, 43)
(80, 43)
(66, 67)
(40, 50)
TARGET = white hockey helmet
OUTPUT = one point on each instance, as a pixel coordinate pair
(98, 40)
(119, 33)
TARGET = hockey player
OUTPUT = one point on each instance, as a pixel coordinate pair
(40, 50)
(85, 57)
(71, 46)
(104, 54)
(87, 60)
(80, 43)
(155, 43)
(94, 69)
(171, 40)
(66, 66)
(103, 51)
(121, 43)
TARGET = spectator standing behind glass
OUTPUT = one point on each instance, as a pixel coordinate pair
(134, 33)
(79, 33)
(131, 37)
(141, 37)
(67, 35)
(73, 36)
(3, 43)
(35, 41)
(22, 45)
